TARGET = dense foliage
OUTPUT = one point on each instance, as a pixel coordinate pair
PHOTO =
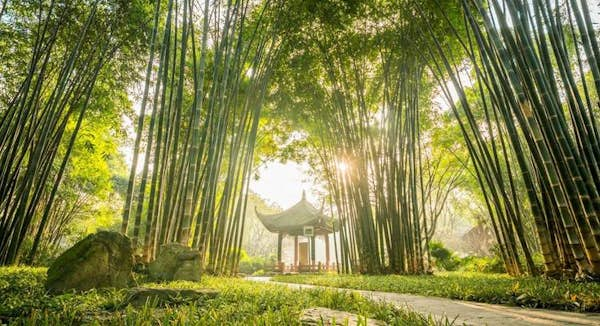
(63, 91)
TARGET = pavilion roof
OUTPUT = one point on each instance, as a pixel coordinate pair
(294, 219)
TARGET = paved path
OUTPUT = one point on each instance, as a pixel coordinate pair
(467, 312)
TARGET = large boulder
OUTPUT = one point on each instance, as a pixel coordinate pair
(175, 262)
(103, 259)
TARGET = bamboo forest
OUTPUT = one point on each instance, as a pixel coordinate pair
(300, 162)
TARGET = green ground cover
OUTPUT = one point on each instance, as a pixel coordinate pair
(529, 292)
(24, 301)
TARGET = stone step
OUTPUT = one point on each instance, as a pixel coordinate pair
(326, 316)
(167, 296)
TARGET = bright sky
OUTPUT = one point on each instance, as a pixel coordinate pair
(282, 184)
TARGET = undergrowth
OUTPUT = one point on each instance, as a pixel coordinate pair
(23, 301)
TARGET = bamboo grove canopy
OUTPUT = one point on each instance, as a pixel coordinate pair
(521, 78)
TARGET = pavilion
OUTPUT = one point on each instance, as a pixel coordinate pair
(305, 222)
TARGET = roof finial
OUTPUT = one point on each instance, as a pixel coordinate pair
(303, 194)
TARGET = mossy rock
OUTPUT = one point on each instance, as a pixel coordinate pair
(176, 262)
(103, 259)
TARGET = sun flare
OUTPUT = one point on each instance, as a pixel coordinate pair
(342, 166)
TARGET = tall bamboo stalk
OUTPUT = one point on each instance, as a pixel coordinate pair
(57, 89)
(207, 109)
(519, 51)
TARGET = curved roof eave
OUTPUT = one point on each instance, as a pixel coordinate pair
(301, 214)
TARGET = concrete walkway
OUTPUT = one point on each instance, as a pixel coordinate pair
(466, 312)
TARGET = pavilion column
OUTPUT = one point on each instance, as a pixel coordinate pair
(327, 260)
(295, 250)
(279, 246)
(312, 250)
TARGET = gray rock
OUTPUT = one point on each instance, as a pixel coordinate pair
(160, 297)
(103, 259)
(175, 262)
(325, 316)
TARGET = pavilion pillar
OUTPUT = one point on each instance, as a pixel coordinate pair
(312, 250)
(327, 260)
(279, 247)
(295, 250)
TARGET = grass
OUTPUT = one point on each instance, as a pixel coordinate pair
(529, 292)
(23, 301)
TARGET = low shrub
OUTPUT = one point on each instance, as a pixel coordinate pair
(482, 264)
(443, 258)
(260, 272)
(251, 264)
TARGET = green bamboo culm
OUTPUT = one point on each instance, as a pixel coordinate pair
(531, 62)
(365, 130)
(57, 89)
(387, 235)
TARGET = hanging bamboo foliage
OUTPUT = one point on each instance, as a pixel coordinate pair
(365, 115)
